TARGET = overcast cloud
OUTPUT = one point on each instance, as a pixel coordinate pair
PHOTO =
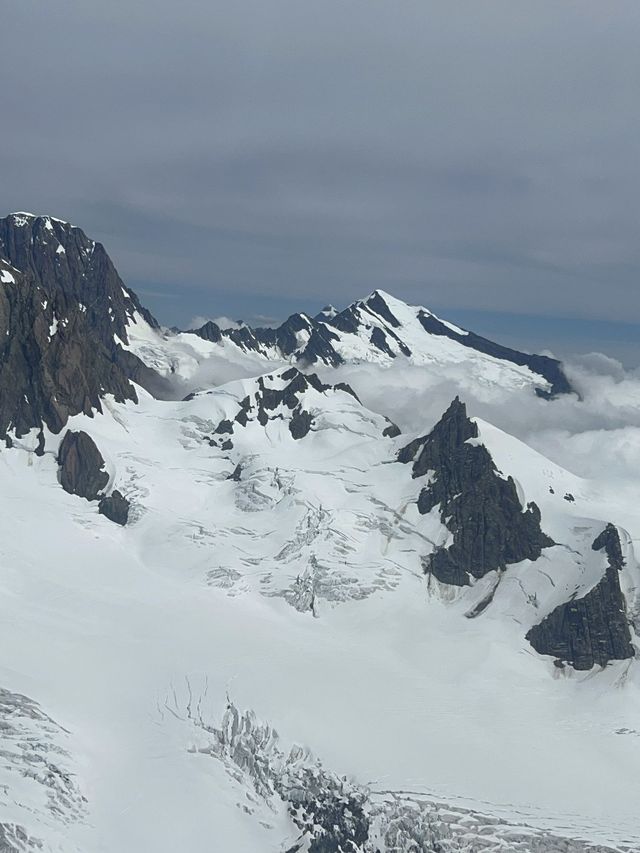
(263, 156)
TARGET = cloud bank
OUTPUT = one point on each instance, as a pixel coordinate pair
(595, 435)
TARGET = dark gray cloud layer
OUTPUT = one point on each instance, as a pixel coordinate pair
(265, 155)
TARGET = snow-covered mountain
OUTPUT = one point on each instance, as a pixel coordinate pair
(379, 329)
(376, 330)
(253, 615)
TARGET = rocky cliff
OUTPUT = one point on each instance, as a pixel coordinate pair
(481, 508)
(593, 629)
(63, 326)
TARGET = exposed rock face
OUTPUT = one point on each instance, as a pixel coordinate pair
(81, 466)
(317, 335)
(82, 473)
(209, 332)
(392, 431)
(60, 257)
(63, 321)
(479, 507)
(281, 401)
(377, 304)
(593, 629)
(609, 539)
(115, 507)
(300, 423)
(236, 474)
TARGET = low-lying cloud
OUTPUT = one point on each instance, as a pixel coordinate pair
(593, 433)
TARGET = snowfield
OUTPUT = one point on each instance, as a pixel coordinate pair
(295, 590)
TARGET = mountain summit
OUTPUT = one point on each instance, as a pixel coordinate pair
(380, 329)
(64, 313)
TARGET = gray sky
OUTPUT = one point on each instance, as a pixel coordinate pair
(256, 157)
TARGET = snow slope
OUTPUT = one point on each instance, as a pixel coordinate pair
(262, 658)
(297, 590)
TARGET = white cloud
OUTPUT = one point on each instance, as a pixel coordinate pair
(222, 321)
(595, 434)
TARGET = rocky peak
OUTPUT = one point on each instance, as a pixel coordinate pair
(491, 529)
(609, 540)
(64, 313)
(437, 449)
(70, 269)
(378, 303)
(210, 331)
(303, 338)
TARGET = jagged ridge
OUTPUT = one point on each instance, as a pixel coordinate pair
(370, 330)
(479, 507)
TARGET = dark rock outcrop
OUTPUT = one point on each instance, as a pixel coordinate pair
(377, 304)
(300, 423)
(81, 472)
(115, 507)
(224, 427)
(81, 466)
(609, 539)
(479, 506)
(285, 338)
(269, 403)
(63, 322)
(593, 629)
(379, 340)
(392, 431)
(209, 332)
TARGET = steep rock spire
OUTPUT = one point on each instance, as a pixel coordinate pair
(490, 527)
